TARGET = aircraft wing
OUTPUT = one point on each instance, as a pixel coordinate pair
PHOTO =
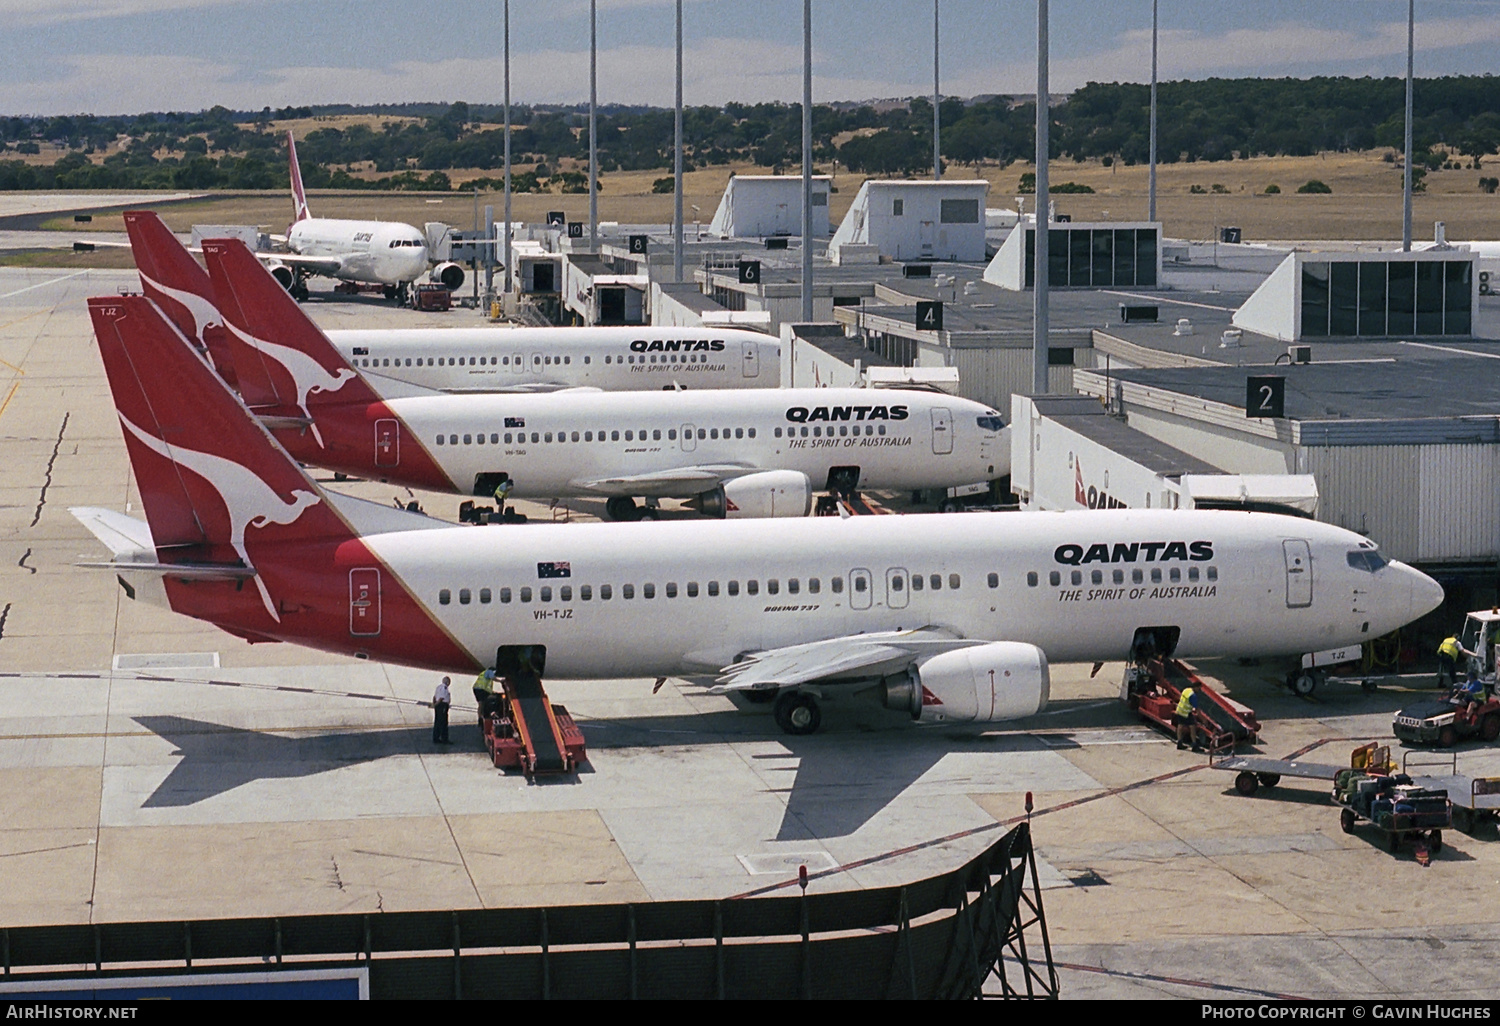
(319, 264)
(674, 483)
(855, 656)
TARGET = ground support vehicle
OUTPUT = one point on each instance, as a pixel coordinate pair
(1398, 806)
(526, 731)
(1153, 689)
(1319, 667)
(431, 296)
(1253, 772)
(1446, 721)
(1474, 799)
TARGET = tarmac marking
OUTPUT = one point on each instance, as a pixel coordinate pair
(1178, 981)
(18, 320)
(41, 851)
(44, 284)
(9, 396)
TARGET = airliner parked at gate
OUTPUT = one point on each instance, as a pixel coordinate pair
(238, 535)
(751, 452)
(481, 359)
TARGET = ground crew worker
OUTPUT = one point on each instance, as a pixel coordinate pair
(502, 490)
(1182, 719)
(484, 694)
(442, 698)
(1470, 693)
(1448, 653)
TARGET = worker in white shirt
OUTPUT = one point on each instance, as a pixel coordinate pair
(442, 698)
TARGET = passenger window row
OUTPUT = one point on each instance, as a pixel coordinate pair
(471, 361)
(845, 430)
(605, 592)
(655, 435)
(1117, 576)
(665, 358)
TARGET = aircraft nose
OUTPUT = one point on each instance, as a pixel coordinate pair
(1426, 594)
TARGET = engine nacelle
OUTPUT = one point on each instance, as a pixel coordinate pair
(1004, 680)
(449, 275)
(283, 274)
(771, 493)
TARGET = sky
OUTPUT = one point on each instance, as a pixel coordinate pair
(128, 56)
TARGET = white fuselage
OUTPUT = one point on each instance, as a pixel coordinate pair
(611, 443)
(544, 359)
(692, 597)
(382, 252)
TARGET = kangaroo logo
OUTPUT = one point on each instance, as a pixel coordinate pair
(250, 501)
(205, 315)
(306, 373)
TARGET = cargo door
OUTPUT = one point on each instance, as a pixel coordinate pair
(942, 430)
(750, 359)
(387, 443)
(1299, 582)
(860, 591)
(364, 602)
(895, 587)
(689, 438)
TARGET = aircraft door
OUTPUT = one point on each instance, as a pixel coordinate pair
(942, 431)
(387, 443)
(689, 438)
(895, 587)
(364, 602)
(860, 590)
(750, 359)
(1299, 582)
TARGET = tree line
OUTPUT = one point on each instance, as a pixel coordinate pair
(1208, 120)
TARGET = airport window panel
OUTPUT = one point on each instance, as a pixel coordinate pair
(1458, 304)
(713, 589)
(586, 592)
(1030, 258)
(1429, 298)
(916, 582)
(752, 587)
(606, 593)
(484, 596)
(734, 588)
(1314, 300)
(504, 595)
(1145, 258)
(1124, 270)
(648, 591)
(565, 593)
(1057, 258)
(1403, 298)
(546, 593)
(1343, 298)
(1054, 578)
(814, 586)
(525, 594)
(671, 589)
(444, 597)
(1080, 254)
(1104, 256)
(993, 580)
(837, 584)
(958, 211)
(627, 591)
(1031, 579)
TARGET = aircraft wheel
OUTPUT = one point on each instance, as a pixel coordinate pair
(1346, 821)
(390, 291)
(1246, 784)
(1268, 779)
(798, 713)
(299, 292)
(950, 506)
(1305, 684)
(647, 513)
(1447, 737)
(621, 508)
(1489, 727)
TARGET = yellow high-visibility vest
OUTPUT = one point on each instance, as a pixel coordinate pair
(1185, 703)
(1449, 648)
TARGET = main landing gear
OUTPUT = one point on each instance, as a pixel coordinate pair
(622, 508)
(797, 712)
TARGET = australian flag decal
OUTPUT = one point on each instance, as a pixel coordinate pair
(515, 422)
(548, 570)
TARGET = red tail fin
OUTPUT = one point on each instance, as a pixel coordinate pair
(299, 195)
(173, 279)
(282, 360)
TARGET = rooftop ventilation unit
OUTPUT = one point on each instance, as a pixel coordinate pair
(1184, 327)
(1299, 354)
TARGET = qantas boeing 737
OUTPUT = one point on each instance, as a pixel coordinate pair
(954, 619)
(750, 452)
(481, 359)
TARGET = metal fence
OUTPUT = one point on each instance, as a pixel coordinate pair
(978, 930)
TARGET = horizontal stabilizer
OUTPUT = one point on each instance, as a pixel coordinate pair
(119, 532)
(184, 571)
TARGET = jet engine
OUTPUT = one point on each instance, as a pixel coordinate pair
(1003, 680)
(771, 493)
(450, 275)
(283, 275)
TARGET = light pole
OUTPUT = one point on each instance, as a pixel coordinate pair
(807, 232)
(677, 161)
(506, 229)
(593, 134)
(1411, 22)
(1151, 174)
(1043, 210)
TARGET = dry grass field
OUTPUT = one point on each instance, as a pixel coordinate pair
(1365, 202)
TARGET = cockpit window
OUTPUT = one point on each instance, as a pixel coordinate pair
(991, 423)
(1367, 560)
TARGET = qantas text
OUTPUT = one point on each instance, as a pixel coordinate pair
(802, 415)
(675, 345)
(1132, 552)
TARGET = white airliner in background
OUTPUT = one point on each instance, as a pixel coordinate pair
(385, 253)
(743, 453)
(954, 619)
(482, 359)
